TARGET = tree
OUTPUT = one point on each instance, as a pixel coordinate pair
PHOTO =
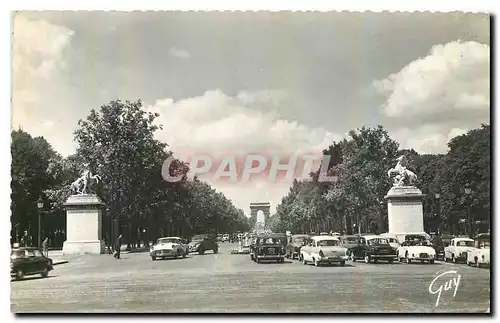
(32, 172)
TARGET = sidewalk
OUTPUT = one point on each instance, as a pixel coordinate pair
(59, 258)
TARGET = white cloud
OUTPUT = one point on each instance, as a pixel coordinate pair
(454, 76)
(216, 123)
(448, 91)
(179, 53)
(427, 139)
(37, 62)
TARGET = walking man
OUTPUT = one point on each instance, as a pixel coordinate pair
(45, 247)
(118, 246)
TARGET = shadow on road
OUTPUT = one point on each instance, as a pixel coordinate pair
(32, 278)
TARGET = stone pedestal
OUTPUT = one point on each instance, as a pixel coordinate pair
(405, 211)
(83, 225)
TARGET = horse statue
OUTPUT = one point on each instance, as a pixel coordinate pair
(402, 173)
(82, 184)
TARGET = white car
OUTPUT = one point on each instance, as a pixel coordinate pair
(416, 247)
(323, 250)
(225, 238)
(480, 255)
(458, 249)
(169, 247)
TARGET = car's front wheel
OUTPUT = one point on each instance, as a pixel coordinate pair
(304, 261)
(316, 262)
(153, 258)
(201, 251)
(431, 261)
(45, 273)
(216, 250)
(342, 263)
(20, 274)
(408, 260)
(367, 259)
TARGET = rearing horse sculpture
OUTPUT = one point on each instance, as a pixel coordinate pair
(402, 173)
(82, 184)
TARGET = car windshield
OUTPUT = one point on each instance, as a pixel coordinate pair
(377, 241)
(270, 241)
(17, 254)
(392, 240)
(465, 243)
(198, 238)
(169, 240)
(485, 244)
(328, 243)
(299, 240)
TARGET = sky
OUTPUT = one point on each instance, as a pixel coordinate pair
(245, 83)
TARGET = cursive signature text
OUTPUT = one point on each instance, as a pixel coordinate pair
(454, 281)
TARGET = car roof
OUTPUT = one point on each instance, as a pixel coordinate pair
(24, 248)
(369, 237)
(482, 235)
(463, 239)
(324, 238)
(169, 238)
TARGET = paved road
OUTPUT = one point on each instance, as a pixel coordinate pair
(232, 283)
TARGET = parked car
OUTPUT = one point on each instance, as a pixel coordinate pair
(393, 241)
(416, 247)
(203, 242)
(293, 247)
(458, 249)
(169, 247)
(356, 246)
(480, 255)
(323, 250)
(269, 247)
(439, 242)
(378, 248)
(29, 261)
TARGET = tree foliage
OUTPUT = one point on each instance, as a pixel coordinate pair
(356, 201)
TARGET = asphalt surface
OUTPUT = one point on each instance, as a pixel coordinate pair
(225, 282)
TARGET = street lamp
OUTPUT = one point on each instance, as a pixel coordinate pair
(381, 216)
(437, 196)
(39, 205)
(468, 192)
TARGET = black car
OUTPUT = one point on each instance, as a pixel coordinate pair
(378, 248)
(440, 242)
(269, 247)
(356, 246)
(203, 242)
(29, 261)
(293, 248)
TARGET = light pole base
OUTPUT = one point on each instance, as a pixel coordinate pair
(83, 247)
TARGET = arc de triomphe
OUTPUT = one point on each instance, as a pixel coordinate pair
(264, 207)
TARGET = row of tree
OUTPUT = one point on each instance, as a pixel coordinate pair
(456, 186)
(118, 144)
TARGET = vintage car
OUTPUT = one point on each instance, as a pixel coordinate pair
(225, 237)
(169, 247)
(323, 250)
(392, 239)
(480, 255)
(377, 249)
(29, 261)
(269, 247)
(458, 249)
(416, 247)
(203, 242)
(356, 246)
(293, 247)
(439, 242)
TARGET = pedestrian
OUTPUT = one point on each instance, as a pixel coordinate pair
(118, 246)
(45, 247)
